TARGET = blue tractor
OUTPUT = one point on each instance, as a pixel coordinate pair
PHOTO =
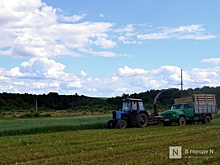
(133, 113)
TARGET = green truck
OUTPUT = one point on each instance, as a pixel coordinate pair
(196, 108)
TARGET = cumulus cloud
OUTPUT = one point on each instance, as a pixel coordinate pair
(202, 75)
(126, 71)
(38, 68)
(34, 29)
(42, 75)
(169, 72)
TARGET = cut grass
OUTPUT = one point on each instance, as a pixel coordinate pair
(149, 145)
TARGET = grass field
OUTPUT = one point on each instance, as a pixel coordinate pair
(149, 145)
(45, 125)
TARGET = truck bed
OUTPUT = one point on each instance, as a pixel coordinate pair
(203, 103)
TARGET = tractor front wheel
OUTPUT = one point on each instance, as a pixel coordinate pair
(122, 124)
(110, 124)
(142, 120)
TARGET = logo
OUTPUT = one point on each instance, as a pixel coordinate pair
(175, 152)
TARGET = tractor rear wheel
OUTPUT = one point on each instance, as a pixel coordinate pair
(122, 124)
(142, 120)
(110, 124)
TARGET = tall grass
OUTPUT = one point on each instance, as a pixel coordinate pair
(44, 125)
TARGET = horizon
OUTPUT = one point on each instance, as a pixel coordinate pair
(104, 97)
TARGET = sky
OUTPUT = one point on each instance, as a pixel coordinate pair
(106, 48)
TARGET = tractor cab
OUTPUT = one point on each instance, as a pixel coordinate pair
(132, 105)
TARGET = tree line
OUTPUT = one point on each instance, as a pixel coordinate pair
(54, 101)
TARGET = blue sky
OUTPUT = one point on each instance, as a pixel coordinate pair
(107, 48)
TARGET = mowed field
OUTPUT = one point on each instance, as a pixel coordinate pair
(78, 143)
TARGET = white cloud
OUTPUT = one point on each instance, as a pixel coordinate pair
(76, 84)
(72, 19)
(34, 29)
(104, 53)
(104, 43)
(15, 72)
(127, 34)
(41, 75)
(122, 90)
(101, 15)
(115, 79)
(126, 71)
(196, 32)
(20, 14)
(83, 73)
(126, 40)
(128, 29)
(55, 84)
(214, 61)
(202, 75)
(185, 29)
(3, 79)
(39, 32)
(38, 68)
(39, 85)
(153, 84)
(168, 72)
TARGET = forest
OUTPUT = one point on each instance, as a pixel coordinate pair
(75, 102)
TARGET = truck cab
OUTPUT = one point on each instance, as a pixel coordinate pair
(184, 110)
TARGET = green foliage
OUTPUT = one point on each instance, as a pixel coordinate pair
(54, 101)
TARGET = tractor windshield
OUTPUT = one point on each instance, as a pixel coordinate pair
(126, 106)
(141, 106)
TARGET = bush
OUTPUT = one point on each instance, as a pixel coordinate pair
(36, 114)
(27, 115)
(47, 115)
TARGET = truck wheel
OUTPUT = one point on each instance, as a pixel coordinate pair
(142, 120)
(182, 121)
(167, 123)
(207, 120)
(110, 124)
(121, 124)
